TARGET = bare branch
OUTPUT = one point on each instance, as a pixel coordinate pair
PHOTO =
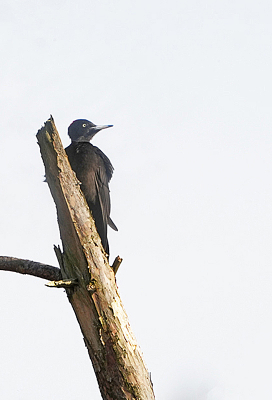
(28, 267)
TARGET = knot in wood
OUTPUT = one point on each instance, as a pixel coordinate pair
(92, 287)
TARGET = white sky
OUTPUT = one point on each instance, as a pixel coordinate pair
(187, 85)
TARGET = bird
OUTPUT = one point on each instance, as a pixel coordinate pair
(94, 170)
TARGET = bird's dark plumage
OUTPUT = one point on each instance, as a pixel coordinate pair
(94, 170)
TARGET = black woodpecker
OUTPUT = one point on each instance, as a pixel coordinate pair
(94, 170)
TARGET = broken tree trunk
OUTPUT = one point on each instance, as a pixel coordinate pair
(115, 355)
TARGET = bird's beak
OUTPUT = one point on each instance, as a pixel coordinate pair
(99, 127)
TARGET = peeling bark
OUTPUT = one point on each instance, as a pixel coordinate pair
(115, 354)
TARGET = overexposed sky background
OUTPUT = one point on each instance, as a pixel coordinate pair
(187, 86)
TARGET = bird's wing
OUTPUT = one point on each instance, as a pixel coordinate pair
(102, 177)
(106, 162)
(103, 194)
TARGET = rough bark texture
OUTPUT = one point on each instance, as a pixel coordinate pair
(115, 354)
(28, 267)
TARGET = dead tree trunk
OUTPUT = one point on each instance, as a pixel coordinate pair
(90, 286)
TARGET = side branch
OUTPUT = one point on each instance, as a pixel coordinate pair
(28, 267)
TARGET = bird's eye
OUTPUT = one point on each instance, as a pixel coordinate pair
(84, 125)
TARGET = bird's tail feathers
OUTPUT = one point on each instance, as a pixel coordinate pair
(112, 224)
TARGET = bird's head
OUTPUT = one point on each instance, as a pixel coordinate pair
(82, 130)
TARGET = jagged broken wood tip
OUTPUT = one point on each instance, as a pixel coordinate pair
(64, 283)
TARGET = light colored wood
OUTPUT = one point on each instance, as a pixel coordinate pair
(115, 354)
